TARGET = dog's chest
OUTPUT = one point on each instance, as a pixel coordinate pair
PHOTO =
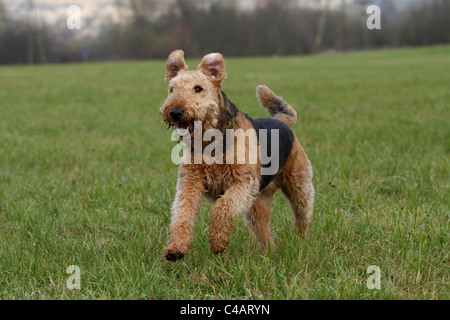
(218, 179)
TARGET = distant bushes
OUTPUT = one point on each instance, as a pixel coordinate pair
(273, 29)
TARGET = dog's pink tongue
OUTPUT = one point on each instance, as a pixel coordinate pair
(182, 129)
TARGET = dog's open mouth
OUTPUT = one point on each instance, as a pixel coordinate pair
(184, 128)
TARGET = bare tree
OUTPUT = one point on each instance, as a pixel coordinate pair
(321, 28)
(344, 27)
(35, 35)
(2, 12)
(30, 32)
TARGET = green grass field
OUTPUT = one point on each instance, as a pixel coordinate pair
(86, 179)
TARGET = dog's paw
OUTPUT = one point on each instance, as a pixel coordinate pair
(173, 254)
(218, 246)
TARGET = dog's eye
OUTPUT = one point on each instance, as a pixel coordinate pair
(171, 89)
(198, 89)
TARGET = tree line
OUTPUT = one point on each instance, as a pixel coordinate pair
(275, 28)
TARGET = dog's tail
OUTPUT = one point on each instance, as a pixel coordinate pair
(277, 107)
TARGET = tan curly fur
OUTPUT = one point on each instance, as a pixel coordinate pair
(233, 188)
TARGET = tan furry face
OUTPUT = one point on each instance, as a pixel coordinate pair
(193, 95)
(196, 96)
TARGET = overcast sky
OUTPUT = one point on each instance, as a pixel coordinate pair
(96, 12)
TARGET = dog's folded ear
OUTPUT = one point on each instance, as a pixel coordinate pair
(213, 66)
(175, 64)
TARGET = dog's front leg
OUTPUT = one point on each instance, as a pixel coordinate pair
(188, 198)
(237, 199)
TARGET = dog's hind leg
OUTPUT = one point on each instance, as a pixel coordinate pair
(258, 218)
(296, 184)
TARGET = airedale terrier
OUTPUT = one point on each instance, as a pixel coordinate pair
(233, 187)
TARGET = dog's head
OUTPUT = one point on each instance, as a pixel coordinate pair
(193, 95)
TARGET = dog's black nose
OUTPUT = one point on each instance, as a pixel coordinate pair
(176, 114)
